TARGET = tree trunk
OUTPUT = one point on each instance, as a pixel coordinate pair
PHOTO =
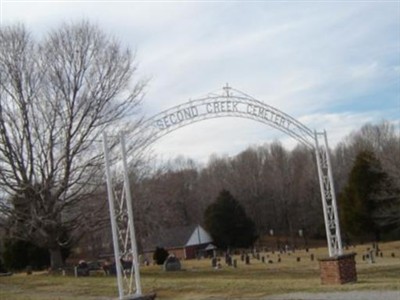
(56, 261)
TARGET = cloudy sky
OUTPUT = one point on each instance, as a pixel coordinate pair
(333, 65)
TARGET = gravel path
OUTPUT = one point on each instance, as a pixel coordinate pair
(354, 295)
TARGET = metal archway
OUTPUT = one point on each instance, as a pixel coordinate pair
(228, 103)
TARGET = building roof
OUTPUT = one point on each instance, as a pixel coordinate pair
(178, 237)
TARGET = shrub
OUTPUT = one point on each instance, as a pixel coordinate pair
(160, 255)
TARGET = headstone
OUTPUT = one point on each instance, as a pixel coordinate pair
(371, 257)
(247, 260)
(214, 262)
(82, 269)
(28, 270)
(172, 263)
(229, 261)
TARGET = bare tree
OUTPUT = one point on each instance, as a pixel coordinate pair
(56, 97)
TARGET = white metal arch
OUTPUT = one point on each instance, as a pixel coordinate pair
(228, 103)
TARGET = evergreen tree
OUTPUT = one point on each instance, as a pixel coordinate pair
(228, 224)
(160, 255)
(357, 204)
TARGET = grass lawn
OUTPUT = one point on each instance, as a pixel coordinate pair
(200, 281)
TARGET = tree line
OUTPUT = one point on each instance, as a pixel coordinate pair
(279, 188)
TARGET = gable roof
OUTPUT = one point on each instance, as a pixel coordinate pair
(178, 237)
(199, 236)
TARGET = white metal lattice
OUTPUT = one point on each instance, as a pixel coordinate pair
(123, 231)
(328, 194)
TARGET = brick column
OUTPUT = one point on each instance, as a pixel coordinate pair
(338, 269)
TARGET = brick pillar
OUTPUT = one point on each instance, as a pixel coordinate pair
(338, 269)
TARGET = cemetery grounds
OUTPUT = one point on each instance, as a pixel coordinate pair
(199, 280)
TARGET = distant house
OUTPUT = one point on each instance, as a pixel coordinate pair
(184, 242)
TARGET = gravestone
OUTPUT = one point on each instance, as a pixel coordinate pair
(229, 260)
(172, 263)
(214, 262)
(371, 257)
(82, 269)
(247, 260)
(28, 270)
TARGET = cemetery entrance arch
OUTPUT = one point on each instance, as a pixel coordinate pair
(227, 103)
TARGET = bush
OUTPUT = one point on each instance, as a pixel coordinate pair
(20, 254)
(160, 255)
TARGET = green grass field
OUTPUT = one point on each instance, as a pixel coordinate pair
(199, 281)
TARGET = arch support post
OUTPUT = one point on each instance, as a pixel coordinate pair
(123, 231)
(328, 195)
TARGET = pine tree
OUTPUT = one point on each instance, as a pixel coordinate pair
(357, 205)
(228, 224)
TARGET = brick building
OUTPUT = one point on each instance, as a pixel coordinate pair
(184, 242)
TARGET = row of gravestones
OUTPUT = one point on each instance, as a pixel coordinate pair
(370, 255)
(216, 262)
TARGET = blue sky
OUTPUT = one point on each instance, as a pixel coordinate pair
(333, 65)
